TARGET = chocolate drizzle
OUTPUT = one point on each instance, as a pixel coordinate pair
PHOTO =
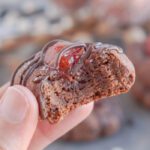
(33, 65)
(108, 47)
(40, 60)
(83, 58)
(36, 61)
(14, 75)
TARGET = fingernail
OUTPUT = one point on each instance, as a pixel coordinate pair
(13, 105)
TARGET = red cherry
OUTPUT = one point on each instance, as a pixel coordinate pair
(64, 64)
(70, 58)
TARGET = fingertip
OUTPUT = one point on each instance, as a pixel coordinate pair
(28, 95)
(18, 117)
(33, 113)
(25, 90)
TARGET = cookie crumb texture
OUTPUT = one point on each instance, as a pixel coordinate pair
(74, 74)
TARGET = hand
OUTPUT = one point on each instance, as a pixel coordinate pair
(20, 126)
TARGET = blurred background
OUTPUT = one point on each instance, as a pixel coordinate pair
(121, 123)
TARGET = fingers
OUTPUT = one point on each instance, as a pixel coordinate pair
(46, 133)
(18, 118)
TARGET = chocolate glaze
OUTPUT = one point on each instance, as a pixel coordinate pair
(33, 65)
(82, 58)
(14, 75)
(106, 47)
(39, 60)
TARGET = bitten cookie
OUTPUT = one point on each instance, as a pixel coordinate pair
(65, 75)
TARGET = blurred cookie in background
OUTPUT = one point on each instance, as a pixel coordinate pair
(80, 35)
(72, 4)
(27, 22)
(105, 120)
(104, 29)
(138, 50)
(112, 11)
(120, 12)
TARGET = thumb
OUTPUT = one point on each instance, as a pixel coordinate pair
(18, 118)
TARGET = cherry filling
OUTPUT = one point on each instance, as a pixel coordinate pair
(62, 57)
(52, 53)
(70, 58)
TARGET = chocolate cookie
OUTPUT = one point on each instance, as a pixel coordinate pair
(105, 120)
(65, 75)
